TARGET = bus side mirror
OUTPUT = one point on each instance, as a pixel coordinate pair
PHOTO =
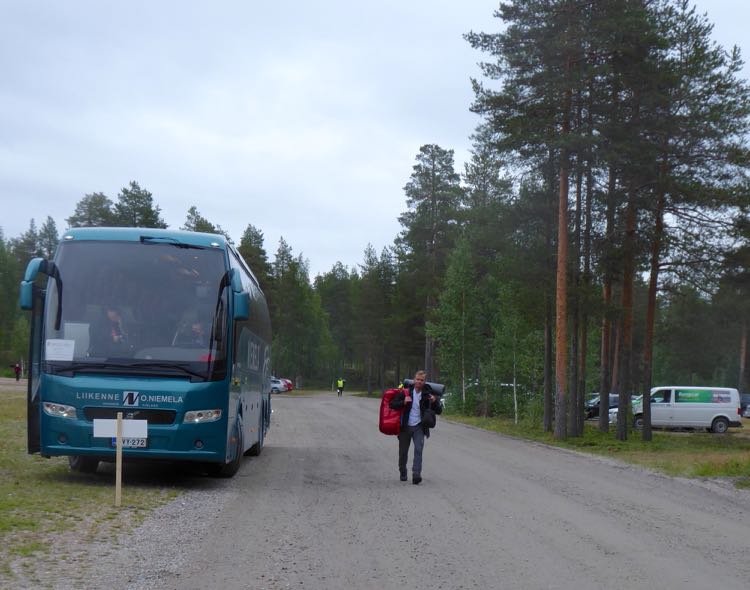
(241, 305)
(34, 268)
(235, 281)
(26, 299)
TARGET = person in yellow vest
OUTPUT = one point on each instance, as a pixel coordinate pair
(340, 386)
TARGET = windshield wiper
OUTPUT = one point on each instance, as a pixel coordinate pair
(180, 368)
(171, 241)
(127, 369)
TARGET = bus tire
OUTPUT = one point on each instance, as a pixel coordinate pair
(83, 463)
(231, 468)
(257, 448)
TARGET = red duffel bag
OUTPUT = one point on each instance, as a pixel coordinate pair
(390, 419)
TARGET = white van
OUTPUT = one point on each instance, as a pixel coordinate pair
(712, 408)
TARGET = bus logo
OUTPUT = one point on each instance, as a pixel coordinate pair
(130, 398)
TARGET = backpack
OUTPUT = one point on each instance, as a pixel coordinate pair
(390, 419)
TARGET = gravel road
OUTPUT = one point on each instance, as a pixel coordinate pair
(323, 508)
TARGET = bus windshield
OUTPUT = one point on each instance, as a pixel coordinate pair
(137, 307)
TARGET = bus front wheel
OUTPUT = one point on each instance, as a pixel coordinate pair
(231, 468)
(83, 464)
(257, 448)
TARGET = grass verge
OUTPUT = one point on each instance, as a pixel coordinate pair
(48, 513)
(686, 454)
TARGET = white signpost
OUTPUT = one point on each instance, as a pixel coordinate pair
(133, 431)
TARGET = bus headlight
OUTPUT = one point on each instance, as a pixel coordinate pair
(59, 410)
(198, 416)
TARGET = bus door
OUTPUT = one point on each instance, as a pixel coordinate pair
(32, 298)
(35, 358)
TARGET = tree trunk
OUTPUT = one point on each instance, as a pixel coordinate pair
(742, 381)
(648, 345)
(606, 353)
(575, 421)
(626, 333)
(548, 405)
(548, 310)
(561, 294)
(583, 348)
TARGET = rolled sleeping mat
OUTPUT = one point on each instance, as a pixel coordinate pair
(437, 388)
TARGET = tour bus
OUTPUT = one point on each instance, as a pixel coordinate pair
(170, 327)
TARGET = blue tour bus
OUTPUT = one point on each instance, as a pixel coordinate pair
(165, 326)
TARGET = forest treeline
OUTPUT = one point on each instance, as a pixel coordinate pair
(598, 238)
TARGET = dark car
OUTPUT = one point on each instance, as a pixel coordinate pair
(745, 404)
(591, 407)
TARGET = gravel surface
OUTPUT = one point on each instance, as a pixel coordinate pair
(322, 508)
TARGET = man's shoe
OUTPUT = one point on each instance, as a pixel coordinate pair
(404, 477)
(416, 480)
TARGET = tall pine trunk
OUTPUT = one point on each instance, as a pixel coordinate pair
(605, 385)
(549, 409)
(648, 345)
(742, 380)
(561, 293)
(626, 332)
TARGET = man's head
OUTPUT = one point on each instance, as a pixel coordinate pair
(419, 379)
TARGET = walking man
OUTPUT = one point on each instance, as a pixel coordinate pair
(414, 401)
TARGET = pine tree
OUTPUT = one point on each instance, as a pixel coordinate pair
(135, 208)
(48, 238)
(26, 246)
(457, 326)
(94, 210)
(433, 198)
(251, 248)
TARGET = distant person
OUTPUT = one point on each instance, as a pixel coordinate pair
(17, 371)
(340, 386)
(414, 401)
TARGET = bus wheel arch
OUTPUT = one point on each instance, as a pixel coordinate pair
(257, 448)
(231, 468)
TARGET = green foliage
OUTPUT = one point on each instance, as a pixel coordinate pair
(196, 222)
(94, 210)
(135, 208)
(48, 238)
(302, 345)
(456, 326)
(27, 245)
(335, 289)
(252, 250)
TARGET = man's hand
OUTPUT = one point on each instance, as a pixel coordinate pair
(407, 399)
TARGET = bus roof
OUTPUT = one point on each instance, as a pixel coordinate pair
(136, 234)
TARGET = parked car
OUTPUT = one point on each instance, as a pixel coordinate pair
(745, 404)
(635, 402)
(277, 385)
(591, 407)
(287, 383)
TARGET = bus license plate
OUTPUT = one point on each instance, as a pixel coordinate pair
(131, 443)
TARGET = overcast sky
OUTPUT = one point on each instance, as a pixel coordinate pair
(301, 117)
